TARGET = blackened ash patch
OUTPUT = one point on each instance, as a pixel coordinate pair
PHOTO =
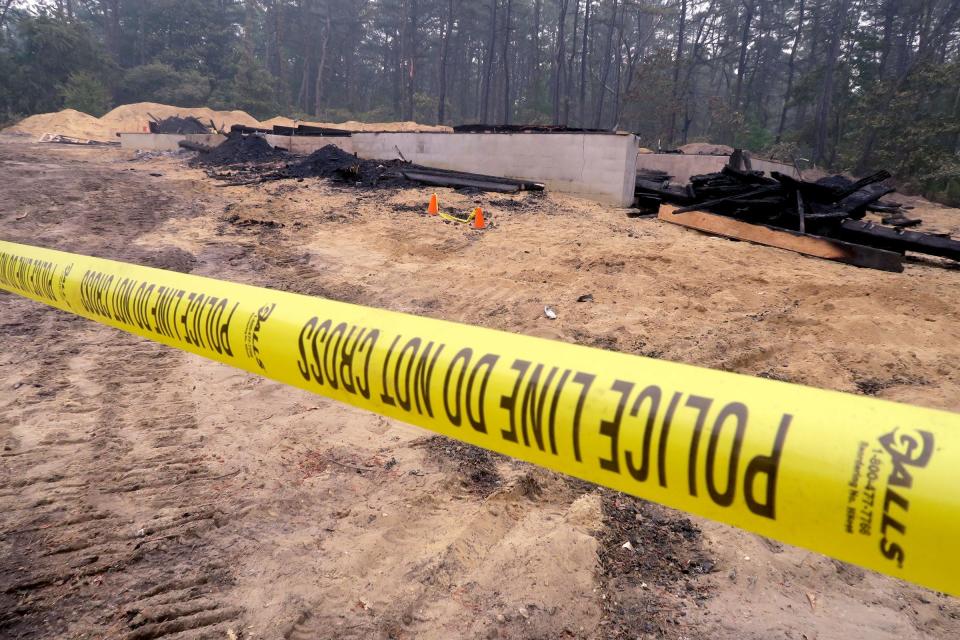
(240, 149)
(649, 582)
(334, 163)
(476, 467)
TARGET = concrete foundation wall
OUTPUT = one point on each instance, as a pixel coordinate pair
(681, 167)
(166, 141)
(594, 166)
(305, 145)
(597, 167)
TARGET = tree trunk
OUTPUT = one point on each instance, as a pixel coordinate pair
(677, 63)
(617, 94)
(112, 16)
(584, 57)
(825, 106)
(274, 42)
(318, 94)
(488, 63)
(568, 82)
(750, 94)
(742, 65)
(791, 71)
(303, 95)
(533, 84)
(444, 52)
(598, 115)
(558, 63)
(397, 53)
(506, 64)
(3, 14)
(410, 84)
(815, 47)
(889, 14)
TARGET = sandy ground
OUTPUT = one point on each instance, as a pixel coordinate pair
(147, 493)
(137, 116)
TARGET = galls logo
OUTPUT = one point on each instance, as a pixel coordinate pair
(906, 450)
(252, 332)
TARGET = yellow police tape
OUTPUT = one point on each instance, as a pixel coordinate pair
(863, 480)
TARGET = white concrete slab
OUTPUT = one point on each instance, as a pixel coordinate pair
(598, 167)
(166, 141)
(595, 166)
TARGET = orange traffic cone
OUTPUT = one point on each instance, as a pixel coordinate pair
(434, 207)
(478, 221)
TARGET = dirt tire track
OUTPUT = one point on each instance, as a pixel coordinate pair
(104, 485)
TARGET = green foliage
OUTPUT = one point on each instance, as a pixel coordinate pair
(651, 103)
(727, 122)
(159, 82)
(84, 92)
(910, 125)
(873, 83)
(753, 135)
(43, 57)
(188, 35)
(425, 107)
(251, 88)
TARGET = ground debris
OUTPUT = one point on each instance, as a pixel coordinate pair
(177, 124)
(833, 207)
(333, 162)
(239, 149)
(476, 467)
(649, 559)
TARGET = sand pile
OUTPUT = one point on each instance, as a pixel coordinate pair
(706, 149)
(353, 125)
(128, 118)
(135, 117)
(68, 122)
(280, 121)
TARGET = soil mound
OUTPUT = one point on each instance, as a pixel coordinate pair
(354, 126)
(706, 149)
(128, 118)
(68, 122)
(176, 124)
(333, 162)
(137, 117)
(240, 149)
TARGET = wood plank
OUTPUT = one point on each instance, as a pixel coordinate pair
(806, 244)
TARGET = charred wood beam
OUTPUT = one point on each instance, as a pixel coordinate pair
(882, 237)
(810, 190)
(901, 221)
(441, 180)
(863, 197)
(879, 176)
(194, 146)
(731, 198)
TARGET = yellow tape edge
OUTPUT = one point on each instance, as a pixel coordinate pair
(863, 480)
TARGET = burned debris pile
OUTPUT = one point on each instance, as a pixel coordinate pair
(336, 164)
(237, 149)
(251, 160)
(176, 124)
(832, 207)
